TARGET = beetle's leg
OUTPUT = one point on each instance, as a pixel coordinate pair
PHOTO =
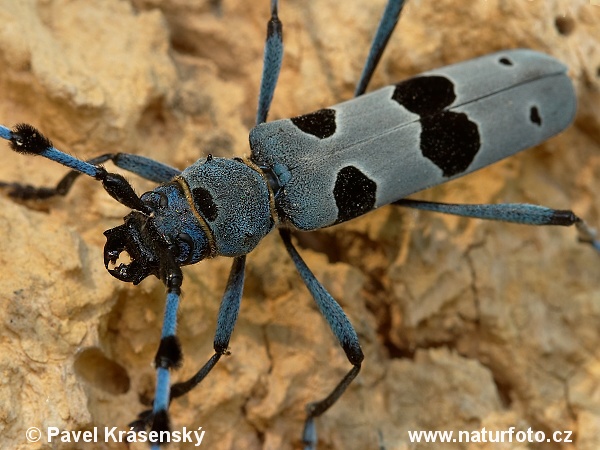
(381, 441)
(140, 165)
(384, 31)
(344, 332)
(169, 355)
(522, 213)
(273, 55)
(228, 313)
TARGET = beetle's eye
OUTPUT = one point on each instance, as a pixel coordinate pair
(156, 200)
(186, 248)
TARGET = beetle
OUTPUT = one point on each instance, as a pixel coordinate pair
(124, 276)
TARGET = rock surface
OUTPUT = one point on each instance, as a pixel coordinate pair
(464, 324)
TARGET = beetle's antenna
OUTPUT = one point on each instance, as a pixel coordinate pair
(26, 139)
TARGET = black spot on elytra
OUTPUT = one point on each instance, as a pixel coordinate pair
(354, 193)
(534, 116)
(204, 203)
(321, 123)
(505, 61)
(448, 139)
(425, 95)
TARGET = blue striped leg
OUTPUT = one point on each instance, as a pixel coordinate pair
(381, 441)
(140, 165)
(384, 31)
(273, 56)
(228, 313)
(521, 213)
(343, 331)
(169, 355)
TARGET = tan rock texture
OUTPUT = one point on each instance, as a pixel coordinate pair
(464, 324)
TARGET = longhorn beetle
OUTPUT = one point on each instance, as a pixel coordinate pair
(314, 171)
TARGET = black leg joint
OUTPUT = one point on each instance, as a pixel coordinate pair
(161, 422)
(169, 354)
(27, 139)
(563, 218)
(274, 26)
(354, 353)
(143, 421)
(119, 188)
(174, 279)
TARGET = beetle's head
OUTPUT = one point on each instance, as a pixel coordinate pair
(167, 233)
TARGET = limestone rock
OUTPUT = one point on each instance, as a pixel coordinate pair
(464, 324)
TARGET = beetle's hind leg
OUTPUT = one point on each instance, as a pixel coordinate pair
(521, 213)
(343, 331)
